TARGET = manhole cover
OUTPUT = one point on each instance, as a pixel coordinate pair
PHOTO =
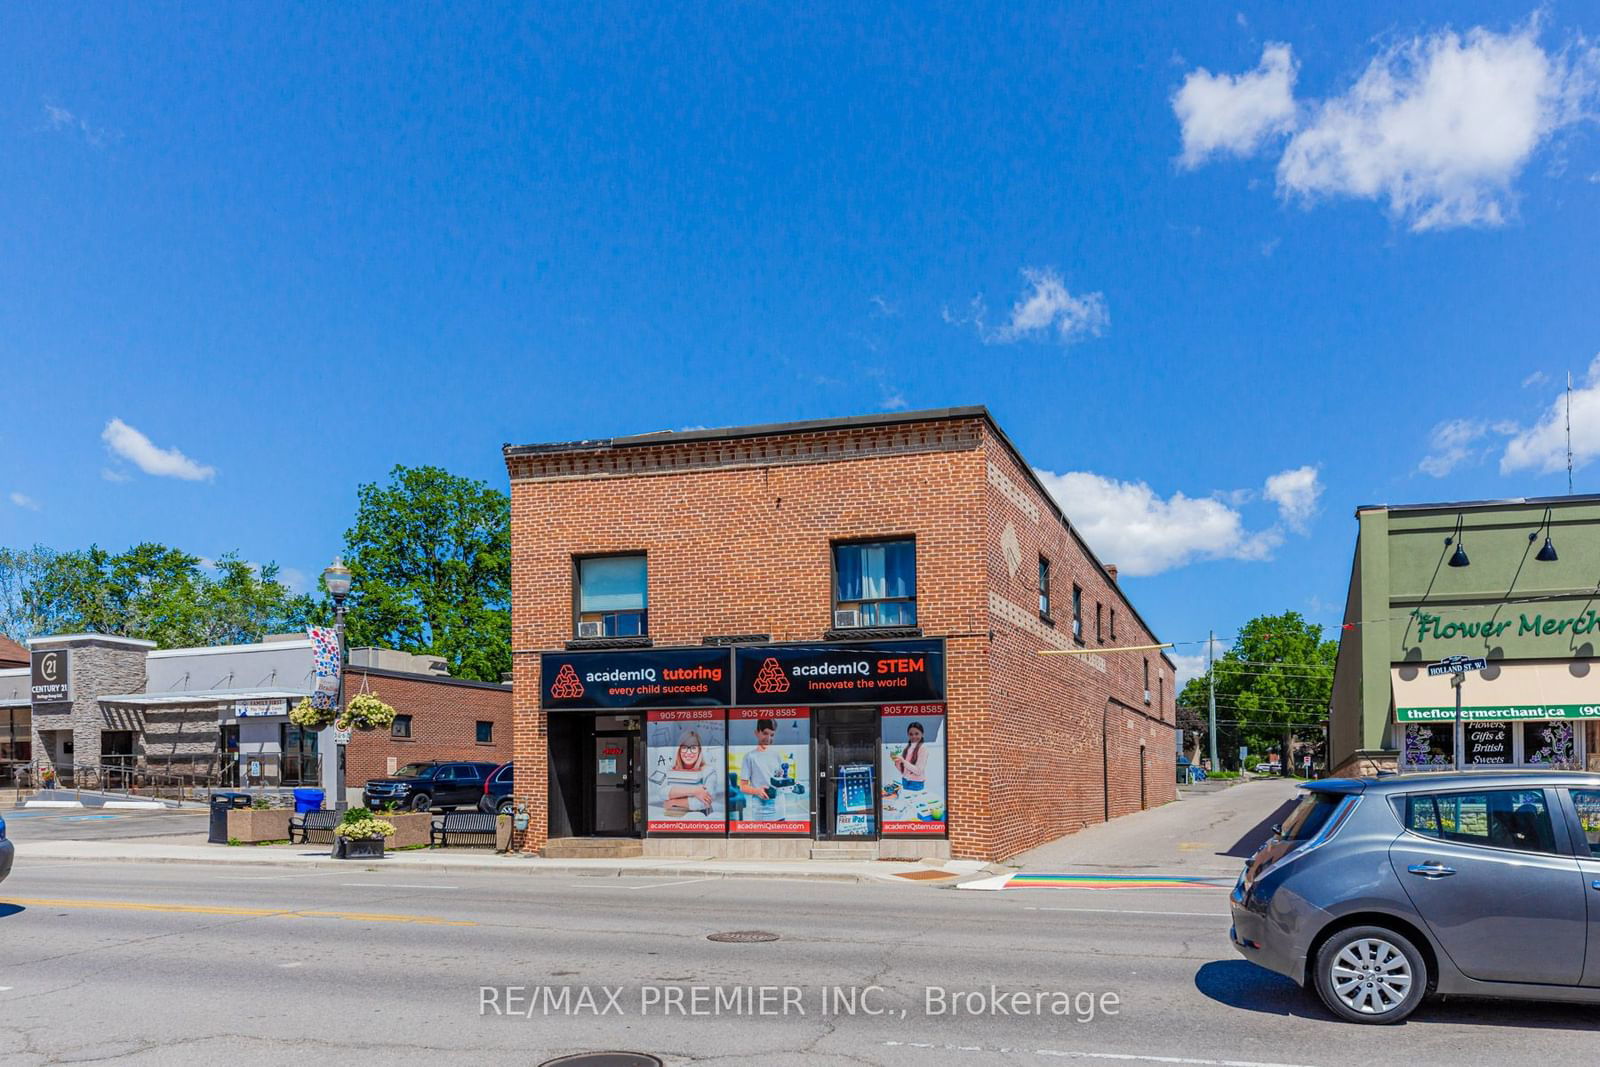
(604, 1059)
(743, 936)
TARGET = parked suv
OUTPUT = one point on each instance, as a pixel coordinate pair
(435, 784)
(1376, 892)
(497, 799)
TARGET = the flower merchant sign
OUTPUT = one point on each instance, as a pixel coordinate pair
(1537, 625)
(1494, 712)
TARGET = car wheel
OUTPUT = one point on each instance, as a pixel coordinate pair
(506, 807)
(1368, 974)
(421, 802)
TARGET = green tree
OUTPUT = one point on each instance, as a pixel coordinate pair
(430, 569)
(1277, 679)
(151, 591)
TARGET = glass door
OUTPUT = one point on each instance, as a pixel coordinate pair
(614, 784)
(847, 773)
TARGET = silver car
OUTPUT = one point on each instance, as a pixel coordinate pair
(1377, 892)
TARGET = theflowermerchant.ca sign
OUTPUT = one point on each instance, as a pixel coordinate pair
(1489, 714)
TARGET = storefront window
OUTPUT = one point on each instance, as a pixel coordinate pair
(686, 752)
(1429, 744)
(769, 770)
(913, 769)
(877, 579)
(1550, 744)
(612, 592)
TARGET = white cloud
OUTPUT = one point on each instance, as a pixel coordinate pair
(882, 308)
(1187, 668)
(1439, 126)
(1542, 447)
(1234, 113)
(1296, 493)
(1450, 445)
(125, 441)
(1538, 377)
(115, 475)
(60, 119)
(1128, 524)
(22, 500)
(1044, 309)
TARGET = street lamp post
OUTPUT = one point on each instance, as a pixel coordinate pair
(336, 579)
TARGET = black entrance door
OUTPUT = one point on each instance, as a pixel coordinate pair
(615, 765)
(847, 773)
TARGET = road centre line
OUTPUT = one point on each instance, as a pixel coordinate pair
(1067, 1054)
(244, 913)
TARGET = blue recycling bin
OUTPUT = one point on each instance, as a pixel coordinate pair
(308, 800)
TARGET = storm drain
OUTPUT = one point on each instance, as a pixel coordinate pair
(604, 1059)
(743, 937)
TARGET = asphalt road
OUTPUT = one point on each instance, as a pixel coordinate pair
(91, 824)
(170, 964)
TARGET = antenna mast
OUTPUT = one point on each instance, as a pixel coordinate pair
(1569, 433)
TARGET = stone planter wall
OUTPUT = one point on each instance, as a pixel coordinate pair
(409, 829)
(502, 833)
(250, 826)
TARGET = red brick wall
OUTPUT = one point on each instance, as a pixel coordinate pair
(1049, 764)
(444, 723)
(738, 537)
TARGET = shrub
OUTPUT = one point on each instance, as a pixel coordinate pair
(359, 824)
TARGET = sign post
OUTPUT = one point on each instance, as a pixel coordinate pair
(1457, 667)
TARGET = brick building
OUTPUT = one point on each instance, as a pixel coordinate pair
(437, 717)
(822, 636)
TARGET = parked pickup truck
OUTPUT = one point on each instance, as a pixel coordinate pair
(425, 786)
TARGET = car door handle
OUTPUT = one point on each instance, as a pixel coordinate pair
(1431, 870)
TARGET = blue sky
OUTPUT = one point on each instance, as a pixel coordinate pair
(1223, 273)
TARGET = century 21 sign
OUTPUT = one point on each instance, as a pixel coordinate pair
(51, 684)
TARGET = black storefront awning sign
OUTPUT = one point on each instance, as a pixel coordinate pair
(872, 672)
(647, 678)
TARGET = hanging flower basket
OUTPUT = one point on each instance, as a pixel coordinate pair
(307, 717)
(366, 712)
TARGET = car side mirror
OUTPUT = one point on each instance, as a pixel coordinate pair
(1277, 829)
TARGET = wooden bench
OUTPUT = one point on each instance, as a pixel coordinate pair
(307, 823)
(458, 824)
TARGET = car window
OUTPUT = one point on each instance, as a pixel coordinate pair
(1310, 816)
(1587, 801)
(446, 774)
(1498, 818)
(415, 770)
(469, 772)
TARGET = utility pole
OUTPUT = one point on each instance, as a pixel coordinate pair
(1211, 685)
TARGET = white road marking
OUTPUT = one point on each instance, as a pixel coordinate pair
(1067, 1054)
(288, 965)
(396, 885)
(1130, 911)
(5, 988)
(270, 877)
(997, 882)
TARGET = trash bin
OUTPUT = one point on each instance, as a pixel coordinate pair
(221, 804)
(308, 800)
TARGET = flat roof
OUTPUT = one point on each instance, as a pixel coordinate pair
(766, 429)
(1510, 502)
(890, 418)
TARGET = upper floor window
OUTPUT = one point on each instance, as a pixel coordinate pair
(1147, 679)
(612, 597)
(1099, 623)
(877, 581)
(1113, 624)
(1077, 613)
(1044, 587)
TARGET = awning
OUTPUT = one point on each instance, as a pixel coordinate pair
(1554, 689)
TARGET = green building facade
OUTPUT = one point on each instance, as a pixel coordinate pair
(1513, 582)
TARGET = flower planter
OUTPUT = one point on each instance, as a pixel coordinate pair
(358, 848)
(249, 826)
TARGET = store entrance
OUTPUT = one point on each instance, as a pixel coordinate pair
(596, 776)
(615, 790)
(846, 741)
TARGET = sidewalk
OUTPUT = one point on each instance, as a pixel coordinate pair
(188, 850)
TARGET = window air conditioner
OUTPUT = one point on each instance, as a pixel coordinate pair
(1147, 696)
(848, 619)
(590, 629)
